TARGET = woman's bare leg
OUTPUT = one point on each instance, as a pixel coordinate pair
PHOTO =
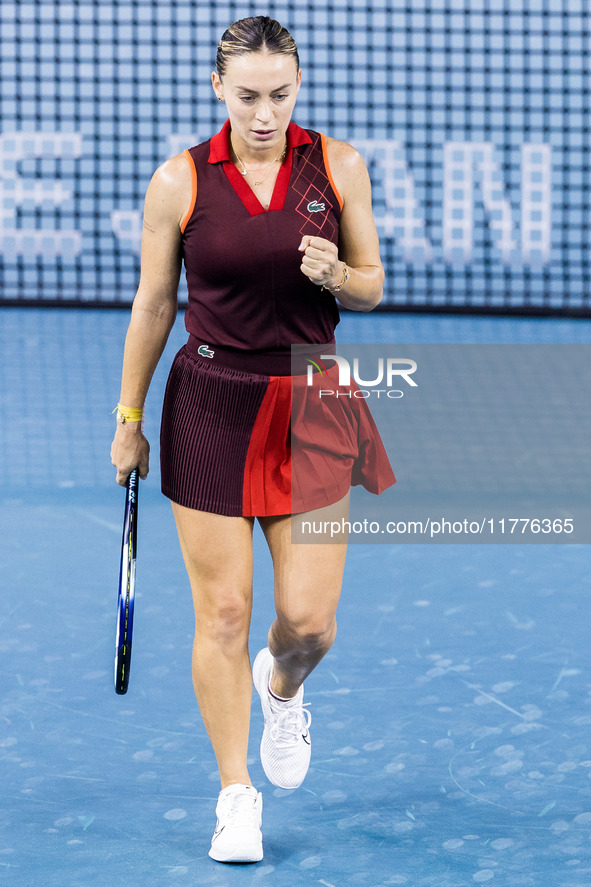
(218, 556)
(308, 580)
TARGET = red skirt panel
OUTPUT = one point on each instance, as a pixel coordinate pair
(247, 444)
(335, 443)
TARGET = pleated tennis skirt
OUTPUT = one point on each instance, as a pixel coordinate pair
(239, 443)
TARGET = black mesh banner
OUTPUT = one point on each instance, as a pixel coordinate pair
(473, 118)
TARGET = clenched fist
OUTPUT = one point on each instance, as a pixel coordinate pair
(320, 261)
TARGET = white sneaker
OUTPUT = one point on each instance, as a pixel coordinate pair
(285, 746)
(237, 836)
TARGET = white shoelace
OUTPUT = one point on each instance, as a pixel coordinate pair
(238, 805)
(290, 726)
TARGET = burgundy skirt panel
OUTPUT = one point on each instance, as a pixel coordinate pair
(207, 419)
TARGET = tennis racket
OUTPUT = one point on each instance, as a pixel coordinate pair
(126, 595)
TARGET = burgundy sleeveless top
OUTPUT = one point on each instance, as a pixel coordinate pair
(246, 291)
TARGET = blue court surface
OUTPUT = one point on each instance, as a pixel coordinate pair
(451, 720)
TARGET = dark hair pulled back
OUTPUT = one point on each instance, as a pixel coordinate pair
(255, 34)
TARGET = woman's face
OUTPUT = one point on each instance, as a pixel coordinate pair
(260, 90)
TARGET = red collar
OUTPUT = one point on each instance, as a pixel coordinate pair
(219, 150)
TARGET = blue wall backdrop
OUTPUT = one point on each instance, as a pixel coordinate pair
(473, 118)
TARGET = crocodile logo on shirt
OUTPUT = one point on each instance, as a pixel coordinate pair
(205, 351)
(315, 207)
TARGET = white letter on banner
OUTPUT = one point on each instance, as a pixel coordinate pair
(394, 195)
(18, 192)
(127, 226)
(536, 203)
(462, 162)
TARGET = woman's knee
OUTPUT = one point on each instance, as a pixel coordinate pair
(223, 615)
(308, 633)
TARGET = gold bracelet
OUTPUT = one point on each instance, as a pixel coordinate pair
(128, 414)
(339, 286)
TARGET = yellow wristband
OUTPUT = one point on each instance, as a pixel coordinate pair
(128, 414)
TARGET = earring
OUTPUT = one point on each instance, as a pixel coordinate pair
(220, 99)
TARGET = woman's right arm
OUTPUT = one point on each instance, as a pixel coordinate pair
(154, 307)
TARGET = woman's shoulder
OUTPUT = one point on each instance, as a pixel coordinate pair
(347, 166)
(174, 172)
(343, 154)
(171, 186)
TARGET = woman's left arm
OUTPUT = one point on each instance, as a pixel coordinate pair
(353, 270)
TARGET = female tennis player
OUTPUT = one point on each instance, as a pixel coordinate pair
(274, 224)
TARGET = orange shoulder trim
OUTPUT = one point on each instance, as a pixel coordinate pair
(185, 221)
(328, 172)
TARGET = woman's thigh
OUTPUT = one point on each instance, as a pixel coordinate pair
(217, 551)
